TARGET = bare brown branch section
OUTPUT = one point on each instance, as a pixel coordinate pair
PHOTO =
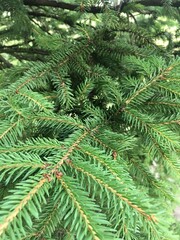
(90, 9)
(157, 3)
(63, 5)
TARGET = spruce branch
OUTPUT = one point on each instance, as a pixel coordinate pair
(109, 186)
(80, 130)
(11, 131)
(49, 217)
(19, 207)
(65, 158)
(82, 213)
(156, 138)
(37, 146)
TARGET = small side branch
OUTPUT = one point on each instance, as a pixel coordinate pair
(46, 15)
(22, 53)
(12, 49)
(6, 63)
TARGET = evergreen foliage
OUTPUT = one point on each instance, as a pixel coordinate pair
(89, 101)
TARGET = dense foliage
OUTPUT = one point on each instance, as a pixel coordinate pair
(89, 128)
